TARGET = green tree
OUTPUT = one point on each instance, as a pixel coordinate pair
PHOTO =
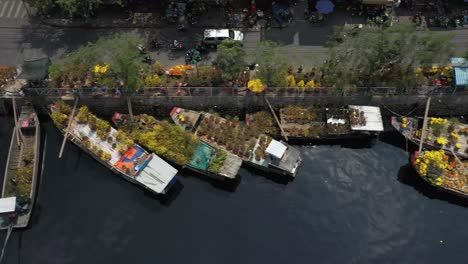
(71, 8)
(373, 56)
(230, 58)
(273, 68)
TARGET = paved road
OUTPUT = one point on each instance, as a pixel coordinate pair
(302, 42)
(13, 9)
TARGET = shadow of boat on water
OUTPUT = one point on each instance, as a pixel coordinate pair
(229, 185)
(408, 176)
(396, 139)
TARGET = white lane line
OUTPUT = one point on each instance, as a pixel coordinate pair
(5, 4)
(11, 9)
(24, 13)
(18, 9)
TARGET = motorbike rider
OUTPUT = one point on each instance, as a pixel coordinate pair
(176, 44)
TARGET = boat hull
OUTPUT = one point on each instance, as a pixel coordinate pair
(22, 221)
(441, 188)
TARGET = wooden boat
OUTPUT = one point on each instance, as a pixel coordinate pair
(126, 159)
(253, 147)
(204, 159)
(320, 125)
(21, 173)
(441, 134)
(442, 171)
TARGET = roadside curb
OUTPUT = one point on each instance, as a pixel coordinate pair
(67, 23)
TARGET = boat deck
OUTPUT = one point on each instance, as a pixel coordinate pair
(187, 119)
(412, 132)
(27, 149)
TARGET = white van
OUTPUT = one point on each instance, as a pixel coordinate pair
(213, 37)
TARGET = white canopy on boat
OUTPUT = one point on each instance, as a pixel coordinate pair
(157, 174)
(7, 205)
(276, 149)
(373, 118)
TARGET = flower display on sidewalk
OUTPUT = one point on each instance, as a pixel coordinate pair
(101, 68)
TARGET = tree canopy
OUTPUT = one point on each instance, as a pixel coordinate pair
(71, 8)
(118, 53)
(373, 56)
(230, 58)
(273, 68)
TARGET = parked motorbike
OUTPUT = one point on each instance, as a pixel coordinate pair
(148, 59)
(200, 47)
(315, 17)
(192, 55)
(142, 49)
(177, 45)
(192, 19)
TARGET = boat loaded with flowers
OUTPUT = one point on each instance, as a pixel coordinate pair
(179, 146)
(21, 173)
(442, 171)
(251, 145)
(446, 134)
(116, 152)
(309, 123)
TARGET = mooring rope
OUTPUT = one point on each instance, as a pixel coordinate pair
(409, 113)
(10, 229)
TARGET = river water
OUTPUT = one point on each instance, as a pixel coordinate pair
(345, 206)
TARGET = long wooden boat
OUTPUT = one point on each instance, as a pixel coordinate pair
(22, 169)
(441, 134)
(325, 125)
(253, 147)
(205, 159)
(126, 159)
(442, 171)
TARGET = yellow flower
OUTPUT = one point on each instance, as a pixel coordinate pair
(404, 125)
(256, 86)
(419, 70)
(458, 145)
(291, 81)
(438, 121)
(442, 140)
(301, 83)
(454, 136)
(429, 138)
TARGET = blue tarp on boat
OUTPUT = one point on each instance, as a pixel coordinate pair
(461, 76)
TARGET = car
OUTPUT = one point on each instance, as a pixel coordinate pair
(213, 37)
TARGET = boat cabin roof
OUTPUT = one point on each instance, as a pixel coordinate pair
(276, 149)
(373, 118)
(157, 174)
(7, 205)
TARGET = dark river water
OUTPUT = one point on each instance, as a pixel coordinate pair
(345, 206)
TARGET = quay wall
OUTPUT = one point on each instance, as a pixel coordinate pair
(441, 105)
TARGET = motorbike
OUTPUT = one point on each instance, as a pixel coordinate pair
(192, 19)
(192, 55)
(177, 45)
(315, 17)
(142, 49)
(181, 27)
(200, 47)
(156, 44)
(148, 59)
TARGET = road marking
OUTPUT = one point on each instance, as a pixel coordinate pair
(11, 9)
(18, 9)
(24, 13)
(5, 4)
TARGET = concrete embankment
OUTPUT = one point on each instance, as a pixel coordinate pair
(441, 105)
